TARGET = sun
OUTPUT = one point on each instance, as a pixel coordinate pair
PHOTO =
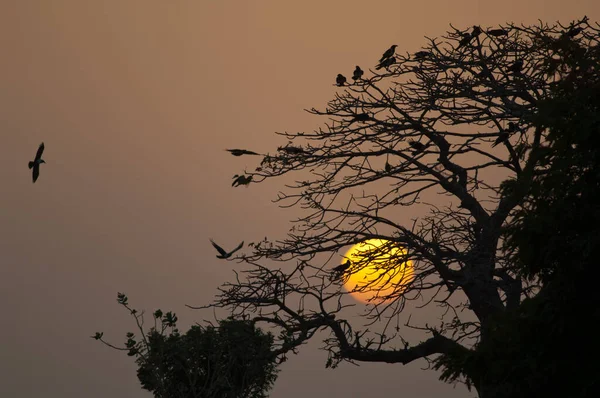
(380, 273)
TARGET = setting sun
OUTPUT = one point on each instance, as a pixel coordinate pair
(376, 271)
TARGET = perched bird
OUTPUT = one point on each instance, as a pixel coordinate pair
(466, 39)
(417, 147)
(35, 164)
(388, 53)
(292, 150)
(222, 252)
(421, 54)
(342, 267)
(240, 152)
(512, 127)
(516, 67)
(503, 137)
(475, 32)
(574, 32)
(340, 80)
(241, 180)
(497, 32)
(362, 117)
(386, 63)
(357, 75)
(388, 167)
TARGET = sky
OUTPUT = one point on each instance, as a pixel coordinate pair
(136, 101)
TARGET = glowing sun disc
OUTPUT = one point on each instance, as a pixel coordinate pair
(392, 277)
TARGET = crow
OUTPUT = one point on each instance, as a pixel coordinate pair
(466, 39)
(503, 137)
(241, 180)
(574, 32)
(388, 53)
(357, 73)
(497, 32)
(516, 67)
(386, 63)
(240, 152)
(421, 54)
(476, 31)
(342, 267)
(340, 80)
(35, 164)
(362, 117)
(417, 147)
(223, 253)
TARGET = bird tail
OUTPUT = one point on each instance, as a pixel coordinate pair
(31, 164)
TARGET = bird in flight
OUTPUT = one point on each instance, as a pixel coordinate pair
(357, 75)
(240, 152)
(340, 79)
(388, 53)
(222, 252)
(35, 164)
(241, 180)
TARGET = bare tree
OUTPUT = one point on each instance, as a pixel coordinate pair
(430, 124)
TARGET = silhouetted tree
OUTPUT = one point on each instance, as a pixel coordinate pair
(231, 360)
(455, 102)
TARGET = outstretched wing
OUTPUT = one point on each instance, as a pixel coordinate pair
(36, 172)
(237, 248)
(39, 152)
(219, 248)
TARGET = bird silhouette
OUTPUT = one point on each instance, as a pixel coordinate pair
(417, 147)
(357, 75)
(292, 150)
(342, 267)
(340, 79)
(497, 32)
(475, 32)
(503, 137)
(421, 54)
(240, 152)
(241, 180)
(386, 63)
(466, 39)
(516, 67)
(222, 252)
(362, 117)
(574, 32)
(35, 163)
(388, 53)
(388, 167)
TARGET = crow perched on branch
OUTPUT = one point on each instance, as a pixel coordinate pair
(340, 80)
(357, 75)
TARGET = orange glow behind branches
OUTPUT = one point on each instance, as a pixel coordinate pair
(375, 276)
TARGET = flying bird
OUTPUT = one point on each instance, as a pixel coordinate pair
(497, 32)
(223, 253)
(386, 63)
(417, 147)
(388, 53)
(241, 180)
(340, 79)
(35, 164)
(357, 75)
(240, 152)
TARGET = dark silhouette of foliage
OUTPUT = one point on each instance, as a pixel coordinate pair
(231, 360)
(432, 121)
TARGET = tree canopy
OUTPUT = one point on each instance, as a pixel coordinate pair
(466, 122)
(231, 360)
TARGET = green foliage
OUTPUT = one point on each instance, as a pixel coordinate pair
(231, 360)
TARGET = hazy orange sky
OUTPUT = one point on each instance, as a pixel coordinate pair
(136, 101)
